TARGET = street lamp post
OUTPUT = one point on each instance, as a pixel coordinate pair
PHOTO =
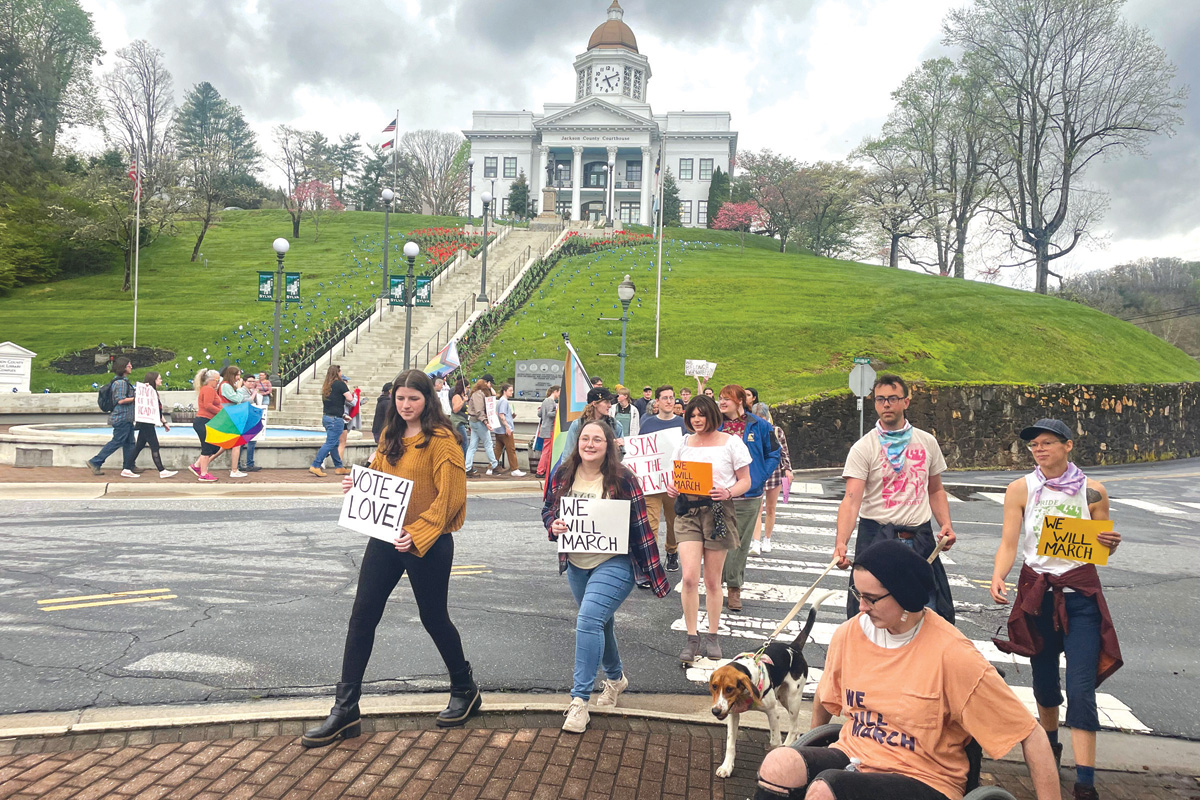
(411, 251)
(487, 201)
(388, 195)
(610, 194)
(281, 246)
(470, 188)
(625, 293)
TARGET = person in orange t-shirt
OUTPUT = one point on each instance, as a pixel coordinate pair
(913, 691)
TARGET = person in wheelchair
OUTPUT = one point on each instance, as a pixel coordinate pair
(914, 693)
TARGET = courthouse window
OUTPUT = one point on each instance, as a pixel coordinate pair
(685, 212)
(510, 167)
(702, 212)
(706, 166)
(685, 169)
(489, 166)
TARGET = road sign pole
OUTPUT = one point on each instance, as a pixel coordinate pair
(862, 380)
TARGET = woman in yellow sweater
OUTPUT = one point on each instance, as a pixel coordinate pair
(418, 443)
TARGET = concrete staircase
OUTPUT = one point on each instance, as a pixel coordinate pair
(377, 357)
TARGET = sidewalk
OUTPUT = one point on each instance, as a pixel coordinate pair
(515, 750)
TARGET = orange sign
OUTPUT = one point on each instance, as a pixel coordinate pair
(693, 477)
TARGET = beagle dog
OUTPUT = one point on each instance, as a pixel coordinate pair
(763, 680)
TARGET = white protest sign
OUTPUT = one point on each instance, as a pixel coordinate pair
(651, 458)
(493, 419)
(145, 404)
(594, 525)
(376, 503)
(699, 368)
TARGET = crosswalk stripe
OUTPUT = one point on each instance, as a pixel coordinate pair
(997, 497)
(1189, 505)
(804, 487)
(805, 515)
(1146, 505)
(814, 500)
(811, 568)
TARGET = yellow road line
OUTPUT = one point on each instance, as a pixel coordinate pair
(110, 602)
(57, 600)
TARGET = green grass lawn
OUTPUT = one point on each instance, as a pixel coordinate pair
(195, 310)
(791, 325)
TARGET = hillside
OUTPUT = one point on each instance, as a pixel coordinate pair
(791, 325)
(788, 324)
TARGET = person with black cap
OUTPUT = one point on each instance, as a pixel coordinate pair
(894, 491)
(599, 402)
(1060, 606)
(645, 400)
(913, 691)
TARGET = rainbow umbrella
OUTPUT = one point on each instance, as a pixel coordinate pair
(234, 425)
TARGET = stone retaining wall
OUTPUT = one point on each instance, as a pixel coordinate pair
(977, 425)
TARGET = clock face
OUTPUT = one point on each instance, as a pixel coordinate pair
(606, 80)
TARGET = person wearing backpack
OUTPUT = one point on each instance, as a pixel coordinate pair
(117, 399)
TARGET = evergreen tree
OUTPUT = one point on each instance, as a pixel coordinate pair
(670, 208)
(718, 195)
(518, 196)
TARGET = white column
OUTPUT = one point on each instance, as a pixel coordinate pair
(647, 179)
(539, 181)
(612, 184)
(576, 179)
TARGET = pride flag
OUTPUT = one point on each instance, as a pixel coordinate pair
(445, 362)
(572, 398)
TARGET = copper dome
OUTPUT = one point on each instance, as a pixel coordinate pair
(613, 33)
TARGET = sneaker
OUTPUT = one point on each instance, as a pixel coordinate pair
(491, 471)
(577, 716)
(320, 473)
(672, 562)
(128, 473)
(138, 470)
(755, 548)
(208, 477)
(472, 473)
(195, 470)
(1084, 792)
(690, 650)
(236, 474)
(95, 470)
(167, 473)
(712, 648)
(766, 546)
(612, 689)
(251, 468)
(516, 473)
(644, 585)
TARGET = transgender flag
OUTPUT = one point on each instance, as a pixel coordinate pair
(445, 362)
(572, 398)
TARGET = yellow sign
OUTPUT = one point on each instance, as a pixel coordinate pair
(1074, 539)
(693, 477)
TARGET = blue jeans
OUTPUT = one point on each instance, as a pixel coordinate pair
(599, 593)
(122, 439)
(333, 430)
(480, 435)
(248, 454)
(1081, 644)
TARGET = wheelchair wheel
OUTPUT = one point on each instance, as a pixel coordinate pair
(821, 736)
(988, 793)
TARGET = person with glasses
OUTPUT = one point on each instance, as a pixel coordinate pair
(893, 489)
(914, 692)
(1059, 608)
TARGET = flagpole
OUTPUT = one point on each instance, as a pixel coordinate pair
(662, 148)
(137, 238)
(396, 156)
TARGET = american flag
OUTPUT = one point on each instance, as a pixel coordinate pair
(391, 126)
(135, 175)
(387, 144)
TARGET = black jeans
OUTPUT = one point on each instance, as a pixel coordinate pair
(147, 436)
(924, 543)
(381, 569)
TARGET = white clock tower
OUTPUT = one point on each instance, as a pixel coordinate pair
(612, 68)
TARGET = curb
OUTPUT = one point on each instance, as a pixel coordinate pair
(125, 491)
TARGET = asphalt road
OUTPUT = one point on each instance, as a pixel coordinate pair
(249, 598)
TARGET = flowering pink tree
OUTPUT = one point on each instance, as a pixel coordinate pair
(316, 199)
(738, 217)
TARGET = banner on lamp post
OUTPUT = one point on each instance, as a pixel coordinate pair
(291, 287)
(266, 286)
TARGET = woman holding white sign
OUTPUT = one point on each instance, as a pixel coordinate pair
(600, 581)
(705, 526)
(145, 425)
(420, 445)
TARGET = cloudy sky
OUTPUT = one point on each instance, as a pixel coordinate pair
(809, 78)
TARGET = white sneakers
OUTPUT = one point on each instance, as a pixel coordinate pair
(168, 473)
(755, 548)
(491, 471)
(128, 473)
(766, 545)
(612, 689)
(577, 716)
(237, 473)
(516, 473)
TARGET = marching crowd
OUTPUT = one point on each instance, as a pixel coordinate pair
(916, 694)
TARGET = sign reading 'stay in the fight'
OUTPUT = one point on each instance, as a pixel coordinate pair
(594, 525)
(376, 503)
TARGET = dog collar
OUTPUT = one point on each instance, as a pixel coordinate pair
(759, 679)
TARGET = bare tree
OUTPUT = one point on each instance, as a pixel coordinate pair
(291, 156)
(1071, 82)
(140, 102)
(437, 173)
(772, 181)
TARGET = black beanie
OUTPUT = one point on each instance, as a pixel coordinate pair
(906, 575)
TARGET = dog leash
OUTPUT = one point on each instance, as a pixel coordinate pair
(941, 545)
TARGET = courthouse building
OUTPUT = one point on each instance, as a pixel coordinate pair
(569, 145)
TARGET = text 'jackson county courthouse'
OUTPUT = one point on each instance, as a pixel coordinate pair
(610, 120)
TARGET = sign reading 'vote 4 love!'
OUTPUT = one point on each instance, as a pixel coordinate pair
(1074, 539)
(376, 503)
(693, 477)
